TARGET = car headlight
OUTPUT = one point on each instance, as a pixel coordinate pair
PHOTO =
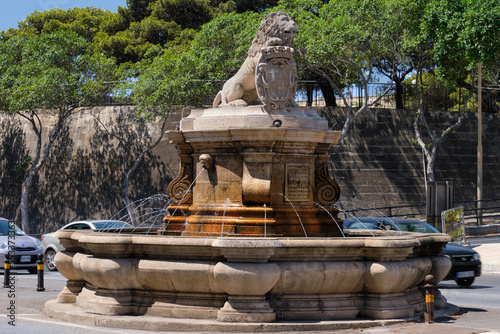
(476, 257)
(38, 244)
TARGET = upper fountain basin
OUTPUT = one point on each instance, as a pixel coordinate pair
(253, 117)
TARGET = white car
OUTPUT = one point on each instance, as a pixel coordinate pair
(51, 244)
(24, 250)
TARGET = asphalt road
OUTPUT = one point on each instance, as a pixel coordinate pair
(483, 293)
(29, 302)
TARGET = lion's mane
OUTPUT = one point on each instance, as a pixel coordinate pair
(269, 28)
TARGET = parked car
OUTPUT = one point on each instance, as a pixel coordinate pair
(465, 262)
(25, 249)
(51, 244)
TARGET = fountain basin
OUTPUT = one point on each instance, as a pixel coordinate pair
(235, 279)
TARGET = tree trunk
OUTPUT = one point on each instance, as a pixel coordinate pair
(328, 94)
(398, 95)
(25, 226)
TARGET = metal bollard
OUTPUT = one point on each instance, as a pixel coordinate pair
(6, 271)
(39, 267)
(429, 299)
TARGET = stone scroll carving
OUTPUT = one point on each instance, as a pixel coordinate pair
(327, 191)
(179, 189)
(276, 29)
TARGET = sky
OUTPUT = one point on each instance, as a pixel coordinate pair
(14, 11)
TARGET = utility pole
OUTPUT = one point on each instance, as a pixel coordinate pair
(479, 146)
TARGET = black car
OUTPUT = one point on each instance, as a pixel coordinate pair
(465, 262)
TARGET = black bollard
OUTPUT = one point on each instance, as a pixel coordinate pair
(39, 267)
(429, 299)
(6, 271)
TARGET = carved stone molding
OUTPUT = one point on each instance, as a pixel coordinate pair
(276, 77)
(327, 191)
(179, 189)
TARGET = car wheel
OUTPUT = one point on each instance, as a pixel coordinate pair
(32, 270)
(49, 259)
(465, 282)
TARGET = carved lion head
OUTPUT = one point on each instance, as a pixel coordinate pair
(277, 28)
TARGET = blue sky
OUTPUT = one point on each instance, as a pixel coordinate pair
(14, 11)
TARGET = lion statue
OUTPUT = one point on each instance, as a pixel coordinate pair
(277, 28)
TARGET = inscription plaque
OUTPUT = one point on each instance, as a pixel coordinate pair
(298, 183)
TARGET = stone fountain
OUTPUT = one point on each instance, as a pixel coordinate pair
(252, 235)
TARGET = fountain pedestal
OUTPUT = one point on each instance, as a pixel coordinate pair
(269, 174)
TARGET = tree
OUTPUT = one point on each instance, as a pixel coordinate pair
(342, 44)
(464, 33)
(461, 34)
(178, 77)
(427, 138)
(86, 22)
(402, 19)
(49, 73)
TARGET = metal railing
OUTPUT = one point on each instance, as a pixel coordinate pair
(475, 212)
(488, 208)
(319, 93)
(434, 97)
(388, 211)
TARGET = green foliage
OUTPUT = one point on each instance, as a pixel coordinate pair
(463, 33)
(341, 39)
(86, 22)
(24, 166)
(50, 71)
(437, 95)
(187, 13)
(178, 77)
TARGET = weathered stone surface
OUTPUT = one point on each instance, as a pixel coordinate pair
(265, 177)
(277, 29)
(252, 279)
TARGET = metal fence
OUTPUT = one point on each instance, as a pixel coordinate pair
(489, 209)
(318, 94)
(434, 97)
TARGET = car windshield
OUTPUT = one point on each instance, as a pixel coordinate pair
(5, 228)
(417, 227)
(102, 225)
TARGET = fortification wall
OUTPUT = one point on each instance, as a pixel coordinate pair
(377, 165)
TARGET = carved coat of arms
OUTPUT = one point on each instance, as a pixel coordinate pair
(276, 77)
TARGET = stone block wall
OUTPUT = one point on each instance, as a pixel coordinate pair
(83, 177)
(376, 165)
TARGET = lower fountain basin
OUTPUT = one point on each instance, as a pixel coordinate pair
(235, 279)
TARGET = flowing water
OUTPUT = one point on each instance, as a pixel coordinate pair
(184, 196)
(151, 210)
(298, 216)
(265, 219)
(228, 201)
(338, 226)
